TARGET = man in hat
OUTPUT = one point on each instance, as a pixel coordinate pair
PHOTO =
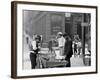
(61, 42)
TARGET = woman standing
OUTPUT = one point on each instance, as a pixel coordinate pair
(68, 50)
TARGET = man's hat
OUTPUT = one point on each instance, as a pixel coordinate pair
(59, 32)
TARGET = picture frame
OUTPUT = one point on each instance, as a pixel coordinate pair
(29, 18)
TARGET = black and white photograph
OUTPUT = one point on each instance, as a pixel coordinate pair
(55, 39)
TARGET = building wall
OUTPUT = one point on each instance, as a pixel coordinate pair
(49, 24)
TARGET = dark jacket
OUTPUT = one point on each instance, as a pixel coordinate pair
(68, 49)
